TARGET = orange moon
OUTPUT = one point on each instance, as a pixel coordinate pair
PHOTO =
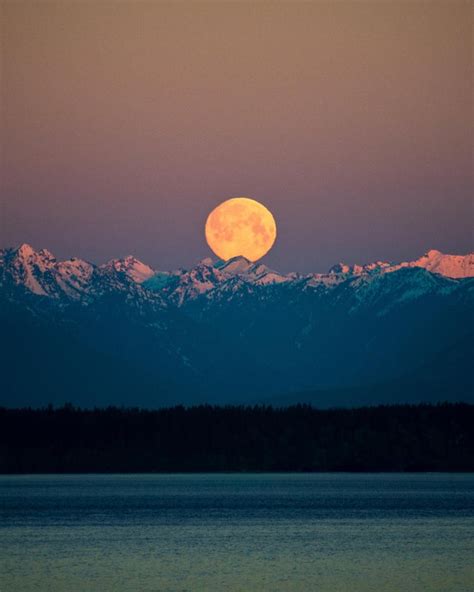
(240, 226)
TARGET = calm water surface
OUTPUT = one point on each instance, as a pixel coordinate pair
(176, 533)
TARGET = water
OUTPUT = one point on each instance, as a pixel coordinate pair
(279, 532)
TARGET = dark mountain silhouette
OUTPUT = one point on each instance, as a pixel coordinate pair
(233, 332)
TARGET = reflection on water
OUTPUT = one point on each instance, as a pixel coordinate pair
(320, 532)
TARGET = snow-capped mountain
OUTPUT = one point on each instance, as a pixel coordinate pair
(453, 266)
(360, 269)
(131, 268)
(122, 332)
(187, 285)
(42, 274)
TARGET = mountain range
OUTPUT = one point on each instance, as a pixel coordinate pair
(221, 332)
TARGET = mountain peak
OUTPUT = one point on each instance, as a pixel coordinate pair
(237, 265)
(340, 267)
(207, 261)
(432, 253)
(132, 267)
(47, 254)
(25, 250)
(453, 266)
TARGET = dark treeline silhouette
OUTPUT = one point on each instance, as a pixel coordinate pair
(205, 438)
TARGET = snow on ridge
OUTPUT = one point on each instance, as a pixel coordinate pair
(207, 261)
(41, 273)
(28, 267)
(132, 267)
(236, 265)
(358, 269)
(24, 250)
(257, 273)
(451, 266)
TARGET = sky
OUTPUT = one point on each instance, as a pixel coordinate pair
(123, 124)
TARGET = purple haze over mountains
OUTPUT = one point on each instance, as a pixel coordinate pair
(124, 124)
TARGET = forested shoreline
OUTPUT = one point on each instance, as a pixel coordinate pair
(237, 438)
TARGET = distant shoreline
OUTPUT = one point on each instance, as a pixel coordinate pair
(190, 473)
(238, 439)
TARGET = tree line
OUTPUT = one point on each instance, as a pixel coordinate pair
(237, 438)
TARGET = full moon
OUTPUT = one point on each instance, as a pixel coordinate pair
(240, 226)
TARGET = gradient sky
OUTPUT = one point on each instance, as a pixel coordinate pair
(125, 123)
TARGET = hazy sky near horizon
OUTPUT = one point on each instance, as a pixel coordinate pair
(124, 123)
